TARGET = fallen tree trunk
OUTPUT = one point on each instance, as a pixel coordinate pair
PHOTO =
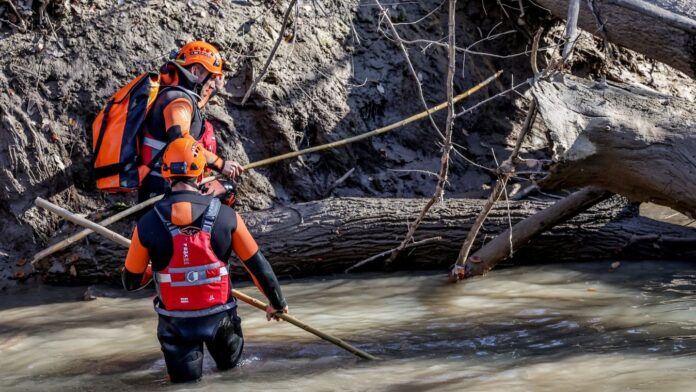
(330, 235)
(664, 30)
(629, 141)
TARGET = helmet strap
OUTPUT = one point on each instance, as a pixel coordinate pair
(191, 181)
(199, 86)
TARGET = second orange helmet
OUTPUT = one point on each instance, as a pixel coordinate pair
(184, 157)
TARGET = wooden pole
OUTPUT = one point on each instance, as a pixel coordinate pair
(264, 162)
(294, 321)
(376, 132)
(84, 233)
(121, 240)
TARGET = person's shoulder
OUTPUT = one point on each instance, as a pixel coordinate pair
(228, 216)
(225, 209)
(148, 227)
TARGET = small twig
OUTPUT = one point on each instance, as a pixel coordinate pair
(424, 17)
(571, 33)
(535, 49)
(514, 88)
(19, 16)
(507, 202)
(338, 182)
(281, 36)
(416, 171)
(383, 254)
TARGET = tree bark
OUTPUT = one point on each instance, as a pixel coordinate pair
(664, 30)
(330, 235)
(629, 141)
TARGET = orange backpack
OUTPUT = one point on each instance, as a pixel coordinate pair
(117, 135)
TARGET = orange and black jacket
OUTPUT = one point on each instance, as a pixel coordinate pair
(151, 241)
(175, 112)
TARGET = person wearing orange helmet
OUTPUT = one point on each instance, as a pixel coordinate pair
(183, 244)
(187, 82)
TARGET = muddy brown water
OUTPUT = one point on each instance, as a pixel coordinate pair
(576, 327)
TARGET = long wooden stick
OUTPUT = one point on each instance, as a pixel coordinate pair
(376, 132)
(84, 233)
(121, 240)
(294, 321)
(76, 237)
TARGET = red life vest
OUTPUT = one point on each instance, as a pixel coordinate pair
(195, 282)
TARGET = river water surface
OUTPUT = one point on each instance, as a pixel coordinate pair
(571, 327)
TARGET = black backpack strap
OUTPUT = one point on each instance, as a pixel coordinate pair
(172, 228)
(211, 215)
(102, 130)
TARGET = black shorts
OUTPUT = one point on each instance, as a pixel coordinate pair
(182, 341)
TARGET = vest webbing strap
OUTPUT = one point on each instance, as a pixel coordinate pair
(196, 313)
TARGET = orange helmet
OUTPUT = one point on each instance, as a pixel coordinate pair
(184, 157)
(203, 53)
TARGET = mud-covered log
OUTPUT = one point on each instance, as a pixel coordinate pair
(664, 30)
(329, 235)
(629, 141)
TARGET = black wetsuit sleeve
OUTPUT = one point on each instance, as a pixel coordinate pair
(265, 279)
(130, 280)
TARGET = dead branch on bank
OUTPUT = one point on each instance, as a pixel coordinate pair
(519, 235)
(447, 145)
(281, 35)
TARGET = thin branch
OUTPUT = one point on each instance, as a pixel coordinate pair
(504, 92)
(571, 33)
(22, 22)
(423, 18)
(447, 147)
(380, 255)
(281, 35)
(410, 65)
(505, 171)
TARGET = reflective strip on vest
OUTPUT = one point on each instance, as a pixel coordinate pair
(199, 268)
(193, 276)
